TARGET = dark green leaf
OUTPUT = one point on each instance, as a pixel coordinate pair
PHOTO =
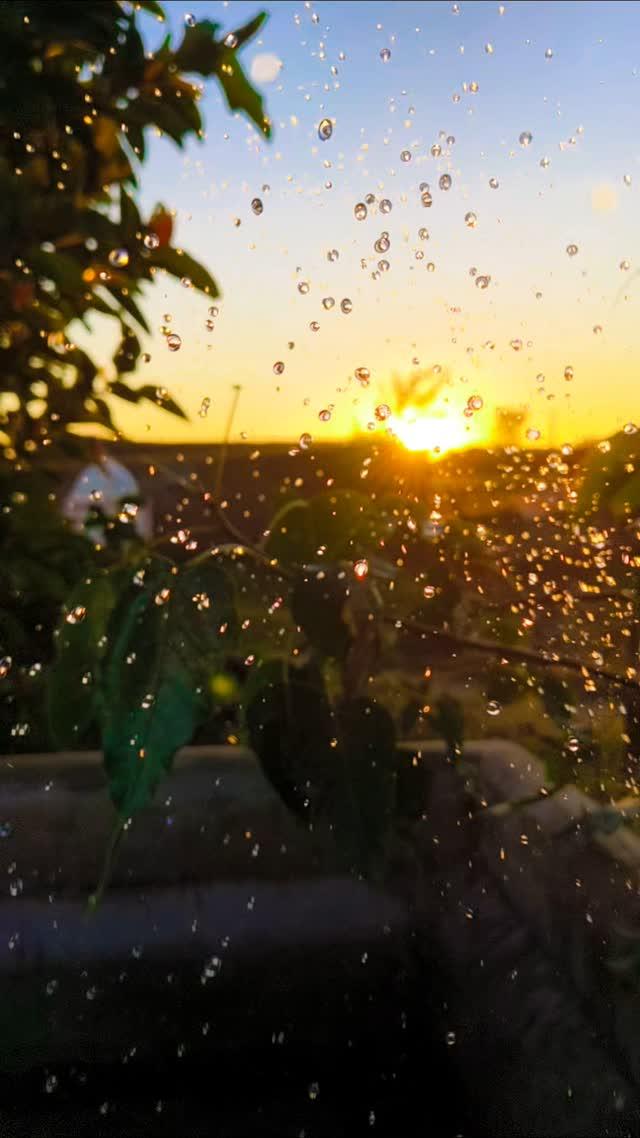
(180, 265)
(318, 607)
(74, 679)
(291, 537)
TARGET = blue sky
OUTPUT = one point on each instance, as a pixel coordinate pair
(581, 107)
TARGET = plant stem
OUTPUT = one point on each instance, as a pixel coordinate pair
(225, 442)
(110, 853)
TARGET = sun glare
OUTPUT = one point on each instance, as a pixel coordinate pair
(436, 433)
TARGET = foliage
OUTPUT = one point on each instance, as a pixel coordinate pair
(79, 97)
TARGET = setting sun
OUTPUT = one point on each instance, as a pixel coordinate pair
(437, 433)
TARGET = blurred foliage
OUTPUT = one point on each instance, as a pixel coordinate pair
(78, 99)
(611, 482)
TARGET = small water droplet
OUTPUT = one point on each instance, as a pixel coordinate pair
(119, 258)
(314, 1091)
(363, 375)
(493, 707)
(5, 666)
(445, 181)
(257, 206)
(360, 211)
(76, 615)
(568, 372)
(533, 434)
(630, 429)
(545, 162)
(475, 402)
(597, 329)
(361, 568)
(190, 20)
(548, 53)
(385, 55)
(346, 305)
(483, 282)
(405, 156)
(471, 219)
(526, 138)
(494, 183)
(151, 241)
(625, 266)
(333, 255)
(278, 367)
(325, 130)
(627, 179)
(303, 287)
(572, 250)
(324, 415)
(382, 412)
(174, 342)
(231, 41)
(305, 440)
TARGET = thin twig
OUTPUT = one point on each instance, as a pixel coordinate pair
(222, 457)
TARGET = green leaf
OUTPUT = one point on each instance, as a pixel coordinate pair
(318, 607)
(291, 537)
(290, 726)
(341, 523)
(74, 680)
(180, 264)
(154, 677)
(154, 395)
(239, 93)
(126, 301)
(363, 812)
(249, 30)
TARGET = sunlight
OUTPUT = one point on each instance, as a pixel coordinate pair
(437, 433)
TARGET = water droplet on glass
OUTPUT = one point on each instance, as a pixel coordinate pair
(333, 255)
(363, 375)
(451, 1038)
(257, 206)
(627, 179)
(385, 206)
(305, 440)
(190, 20)
(231, 41)
(630, 429)
(445, 181)
(545, 162)
(494, 183)
(278, 367)
(303, 287)
(573, 744)
(6, 829)
(572, 250)
(516, 345)
(483, 282)
(597, 329)
(385, 55)
(314, 1091)
(360, 211)
(314, 326)
(526, 138)
(625, 265)
(533, 434)
(493, 707)
(471, 220)
(174, 342)
(76, 615)
(119, 258)
(431, 267)
(361, 568)
(346, 305)
(328, 302)
(151, 241)
(51, 1083)
(324, 415)
(429, 592)
(568, 372)
(382, 412)
(204, 408)
(5, 666)
(548, 53)
(325, 130)
(475, 402)
(383, 243)
(426, 199)
(405, 156)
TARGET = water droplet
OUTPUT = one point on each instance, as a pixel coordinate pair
(493, 707)
(597, 329)
(516, 345)
(363, 375)
(204, 408)
(119, 258)
(475, 402)
(361, 568)
(303, 287)
(545, 162)
(314, 1091)
(346, 305)
(333, 255)
(548, 53)
(526, 138)
(231, 41)
(423, 234)
(572, 250)
(257, 206)
(314, 326)
(405, 156)
(325, 130)
(278, 367)
(174, 342)
(483, 282)
(568, 372)
(630, 429)
(488, 47)
(426, 199)
(324, 415)
(494, 183)
(5, 666)
(76, 615)
(429, 592)
(627, 179)
(51, 1082)
(305, 440)
(573, 744)
(383, 243)
(6, 829)
(385, 206)
(360, 211)
(471, 220)
(445, 181)
(151, 241)
(625, 265)
(382, 412)
(451, 1038)
(190, 20)
(431, 267)
(385, 55)
(328, 302)
(533, 434)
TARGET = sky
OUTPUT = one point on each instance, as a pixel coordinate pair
(554, 333)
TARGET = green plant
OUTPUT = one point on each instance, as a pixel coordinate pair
(79, 95)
